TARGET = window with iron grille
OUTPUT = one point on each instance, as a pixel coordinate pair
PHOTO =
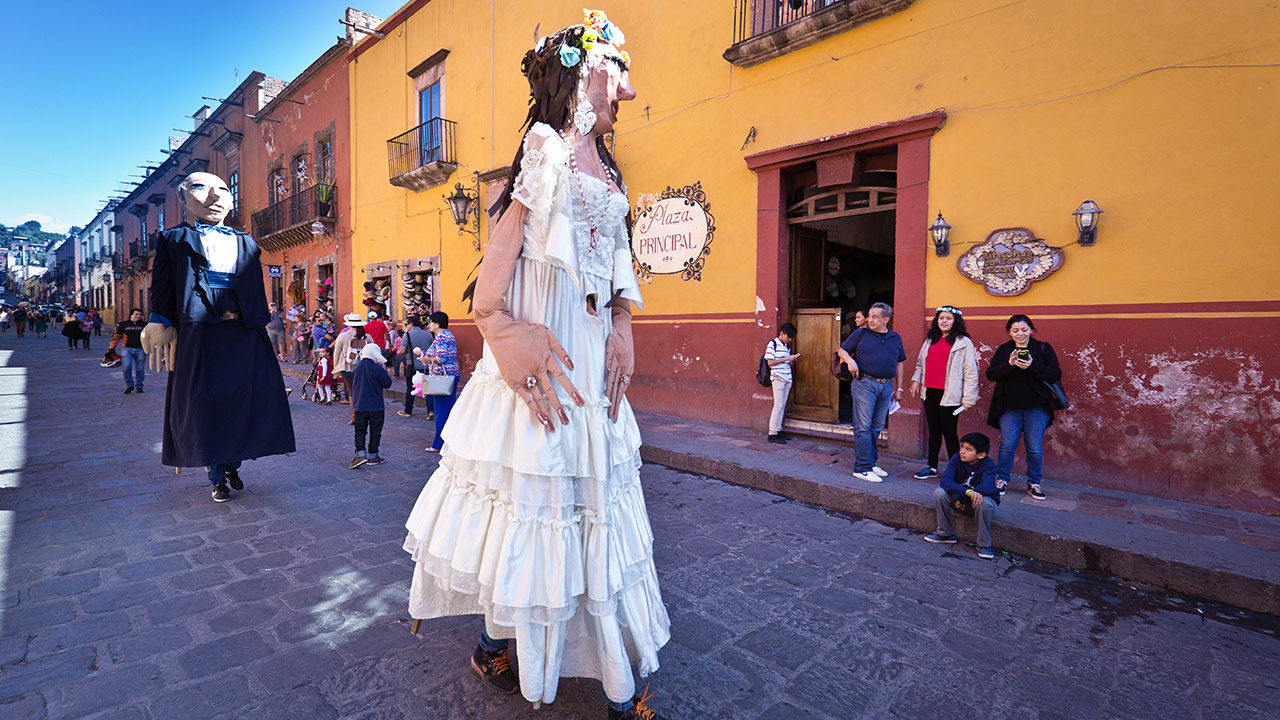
(233, 183)
(301, 172)
(429, 109)
(276, 188)
(324, 160)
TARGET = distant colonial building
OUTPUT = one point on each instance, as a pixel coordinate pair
(98, 244)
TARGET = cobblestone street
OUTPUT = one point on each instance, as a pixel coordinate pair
(127, 593)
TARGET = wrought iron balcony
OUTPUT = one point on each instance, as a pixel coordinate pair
(425, 156)
(289, 221)
(765, 29)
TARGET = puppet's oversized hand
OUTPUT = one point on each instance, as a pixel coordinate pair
(530, 358)
(619, 363)
(157, 339)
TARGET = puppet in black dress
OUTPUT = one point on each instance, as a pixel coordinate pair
(225, 400)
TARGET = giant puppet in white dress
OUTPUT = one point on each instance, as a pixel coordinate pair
(535, 517)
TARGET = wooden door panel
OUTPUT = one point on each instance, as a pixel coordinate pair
(815, 394)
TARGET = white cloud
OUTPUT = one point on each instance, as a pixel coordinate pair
(47, 223)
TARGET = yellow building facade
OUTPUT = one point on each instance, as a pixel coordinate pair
(816, 143)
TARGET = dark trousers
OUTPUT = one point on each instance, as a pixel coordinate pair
(409, 397)
(218, 472)
(942, 426)
(371, 422)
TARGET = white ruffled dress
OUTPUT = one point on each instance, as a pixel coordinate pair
(546, 534)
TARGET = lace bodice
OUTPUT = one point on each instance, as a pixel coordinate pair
(561, 201)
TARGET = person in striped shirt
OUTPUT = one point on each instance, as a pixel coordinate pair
(780, 357)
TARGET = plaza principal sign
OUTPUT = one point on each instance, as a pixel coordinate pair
(1009, 261)
(672, 233)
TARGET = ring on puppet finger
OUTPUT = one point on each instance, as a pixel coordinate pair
(626, 379)
(530, 382)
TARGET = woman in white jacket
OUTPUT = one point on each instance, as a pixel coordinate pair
(946, 378)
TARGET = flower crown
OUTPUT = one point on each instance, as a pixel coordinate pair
(597, 29)
(948, 308)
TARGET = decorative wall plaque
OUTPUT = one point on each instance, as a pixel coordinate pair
(1009, 261)
(672, 233)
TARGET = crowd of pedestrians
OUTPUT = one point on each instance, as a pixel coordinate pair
(1024, 376)
(35, 318)
(341, 355)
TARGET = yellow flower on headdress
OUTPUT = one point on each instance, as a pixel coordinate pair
(595, 18)
(589, 38)
(626, 58)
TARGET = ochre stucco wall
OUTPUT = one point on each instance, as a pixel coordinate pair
(1181, 161)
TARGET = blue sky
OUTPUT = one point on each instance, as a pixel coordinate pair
(94, 89)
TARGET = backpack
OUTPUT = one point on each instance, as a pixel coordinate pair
(353, 351)
(763, 372)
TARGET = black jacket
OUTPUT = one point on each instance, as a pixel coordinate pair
(1044, 366)
(179, 289)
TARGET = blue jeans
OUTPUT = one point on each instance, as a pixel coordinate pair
(134, 362)
(871, 402)
(218, 472)
(442, 404)
(1030, 426)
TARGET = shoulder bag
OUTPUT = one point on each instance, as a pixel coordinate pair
(1056, 395)
(439, 384)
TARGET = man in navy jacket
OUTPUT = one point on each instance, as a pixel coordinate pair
(225, 400)
(968, 486)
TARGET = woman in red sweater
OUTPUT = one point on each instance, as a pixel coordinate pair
(947, 373)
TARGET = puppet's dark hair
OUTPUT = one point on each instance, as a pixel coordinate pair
(553, 93)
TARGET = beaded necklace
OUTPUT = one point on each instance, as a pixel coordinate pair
(577, 183)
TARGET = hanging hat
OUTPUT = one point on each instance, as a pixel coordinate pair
(352, 320)
(373, 315)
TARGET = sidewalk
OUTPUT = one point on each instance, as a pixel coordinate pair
(1221, 555)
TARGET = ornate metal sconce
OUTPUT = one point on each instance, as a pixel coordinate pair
(1087, 217)
(939, 230)
(464, 203)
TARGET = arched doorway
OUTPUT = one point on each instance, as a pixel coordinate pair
(861, 197)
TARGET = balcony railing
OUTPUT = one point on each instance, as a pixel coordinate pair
(765, 29)
(425, 156)
(288, 222)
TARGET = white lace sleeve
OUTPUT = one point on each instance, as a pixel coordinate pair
(535, 185)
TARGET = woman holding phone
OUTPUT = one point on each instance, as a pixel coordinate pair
(1020, 405)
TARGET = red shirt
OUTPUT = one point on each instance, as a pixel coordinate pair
(935, 365)
(377, 331)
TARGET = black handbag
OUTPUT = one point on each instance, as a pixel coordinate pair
(1057, 396)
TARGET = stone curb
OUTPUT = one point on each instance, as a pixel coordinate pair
(1166, 563)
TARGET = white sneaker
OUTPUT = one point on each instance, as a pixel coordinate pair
(869, 476)
(880, 471)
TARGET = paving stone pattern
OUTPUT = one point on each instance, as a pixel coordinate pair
(127, 593)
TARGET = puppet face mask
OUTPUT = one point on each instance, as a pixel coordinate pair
(608, 84)
(206, 198)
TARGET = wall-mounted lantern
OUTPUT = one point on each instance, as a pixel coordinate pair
(1087, 217)
(317, 227)
(464, 203)
(939, 231)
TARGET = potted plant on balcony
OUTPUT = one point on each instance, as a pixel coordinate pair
(324, 198)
